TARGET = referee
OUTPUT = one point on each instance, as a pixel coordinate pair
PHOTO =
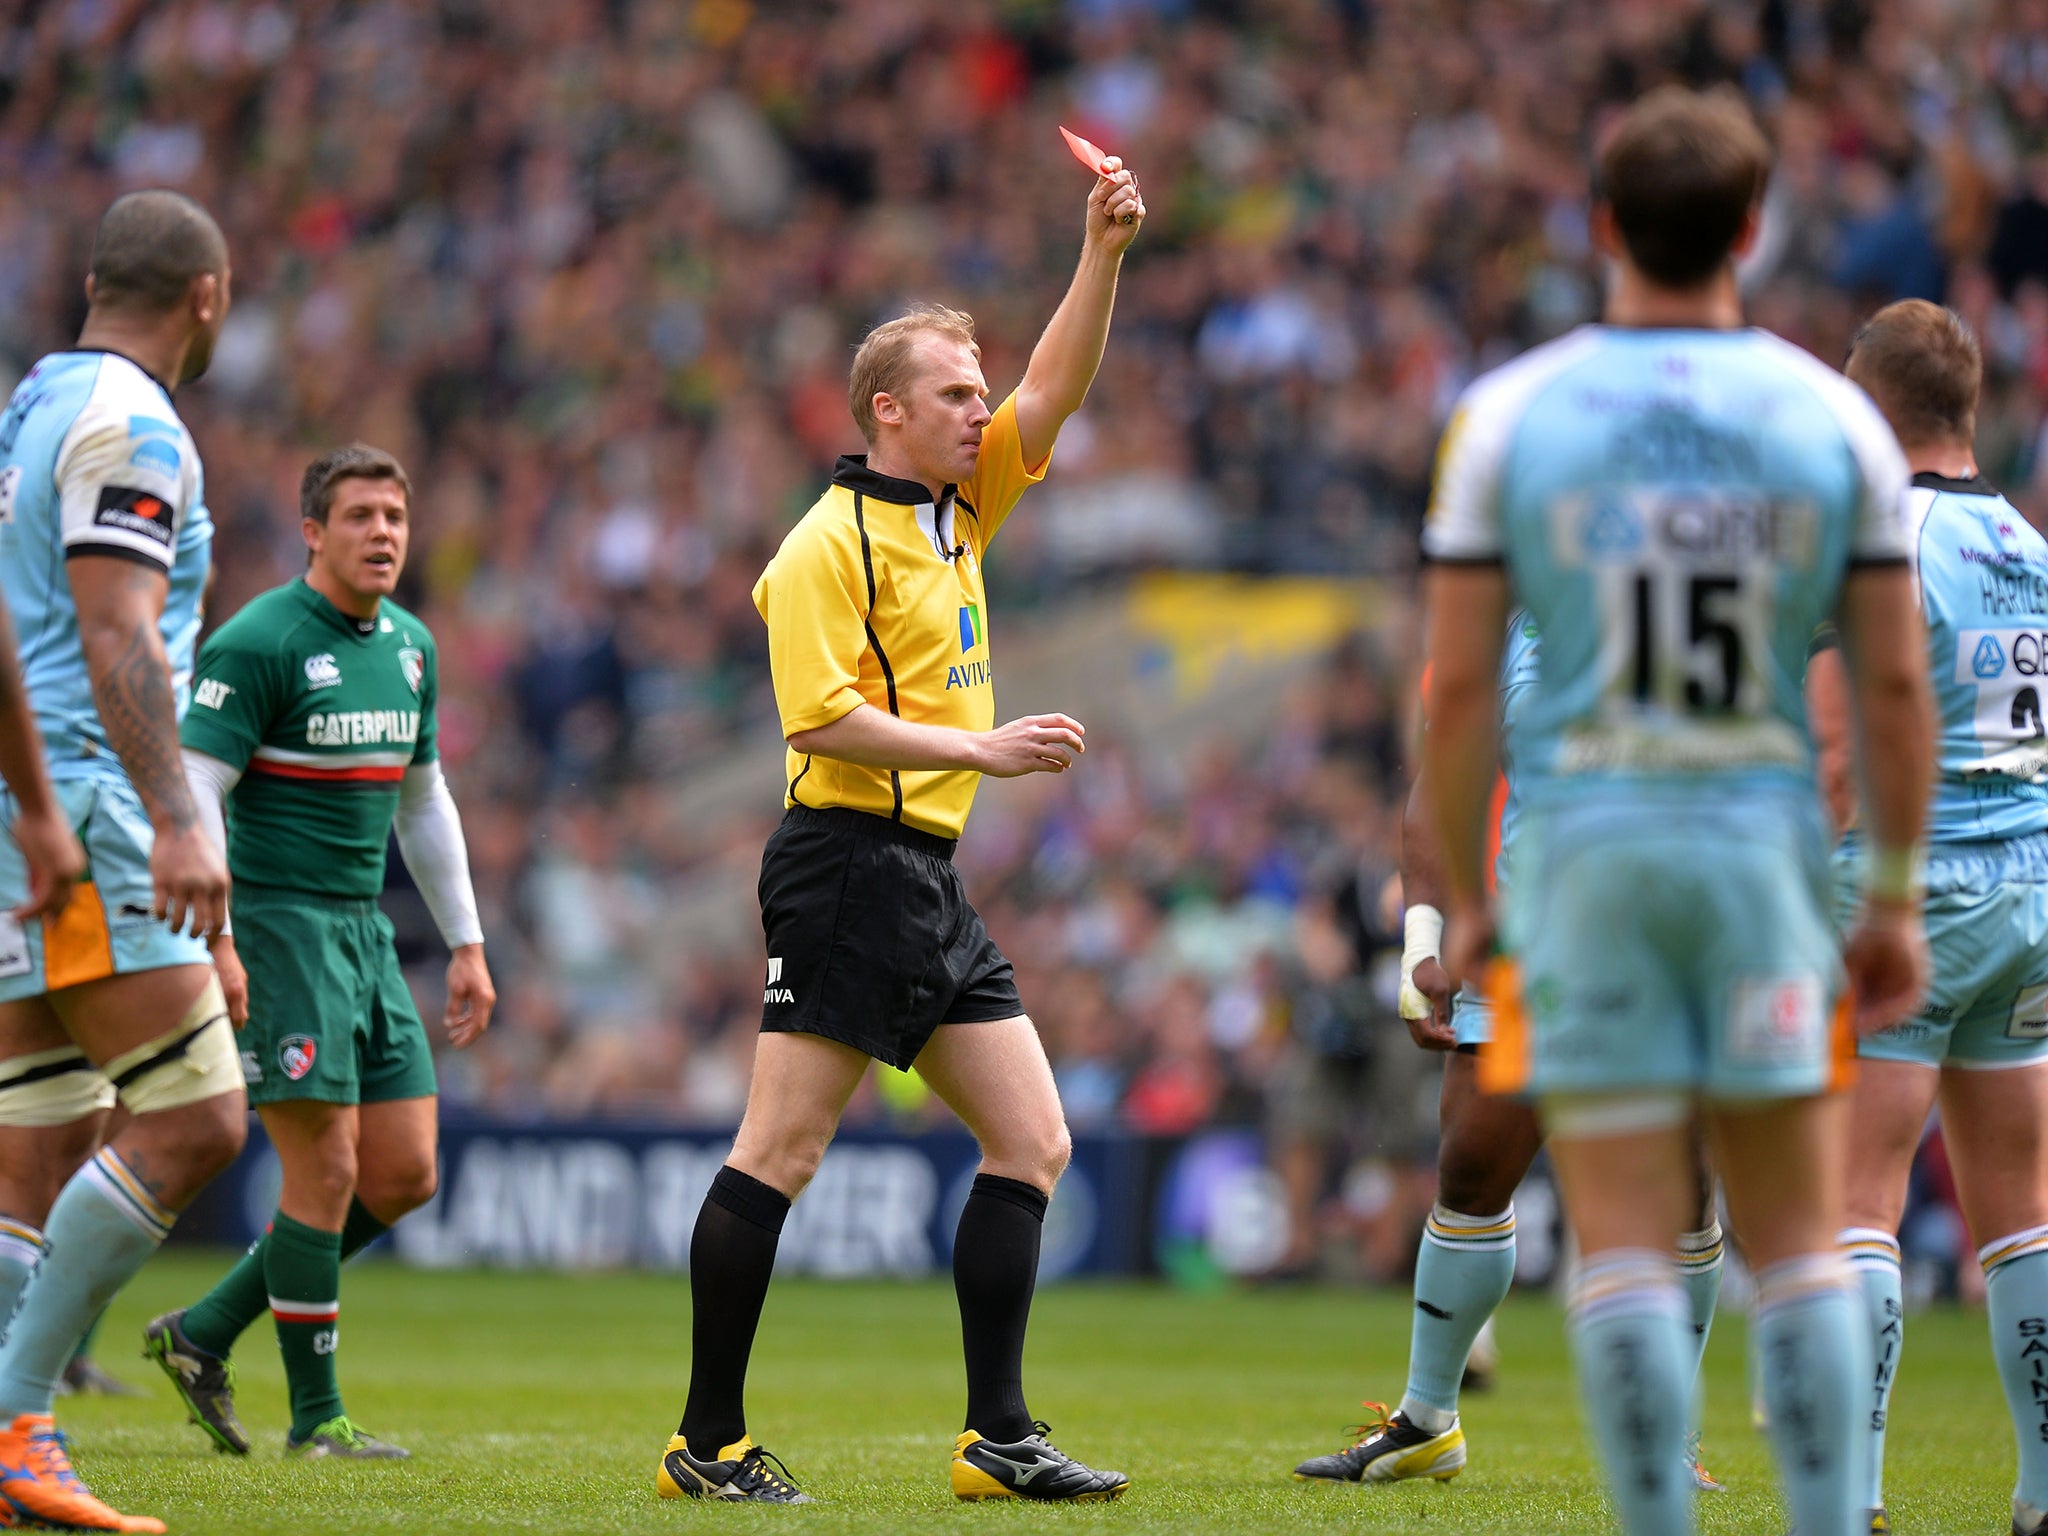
(878, 639)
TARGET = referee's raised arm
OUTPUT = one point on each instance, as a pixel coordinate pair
(1063, 363)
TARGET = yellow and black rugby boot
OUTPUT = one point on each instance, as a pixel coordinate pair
(1389, 1449)
(742, 1471)
(1031, 1468)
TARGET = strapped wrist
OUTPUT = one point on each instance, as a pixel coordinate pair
(1422, 934)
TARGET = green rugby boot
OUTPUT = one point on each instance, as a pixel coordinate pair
(205, 1382)
(339, 1438)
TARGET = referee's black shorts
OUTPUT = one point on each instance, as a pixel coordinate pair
(871, 939)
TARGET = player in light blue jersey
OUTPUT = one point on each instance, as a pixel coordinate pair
(1678, 502)
(1979, 1045)
(1466, 1262)
(104, 542)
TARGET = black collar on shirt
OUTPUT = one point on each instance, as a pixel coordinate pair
(1976, 485)
(852, 472)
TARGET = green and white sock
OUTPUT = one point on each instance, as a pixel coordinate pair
(218, 1318)
(223, 1314)
(302, 1270)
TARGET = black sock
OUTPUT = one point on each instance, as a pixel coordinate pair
(995, 1266)
(359, 1230)
(732, 1255)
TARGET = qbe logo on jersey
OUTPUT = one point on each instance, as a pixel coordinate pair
(2009, 670)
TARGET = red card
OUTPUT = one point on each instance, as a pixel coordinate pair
(1086, 153)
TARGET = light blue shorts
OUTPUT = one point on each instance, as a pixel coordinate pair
(1471, 1017)
(1669, 945)
(1987, 930)
(106, 929)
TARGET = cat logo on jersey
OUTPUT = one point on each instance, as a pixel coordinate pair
(413, 663)
(295, 1054)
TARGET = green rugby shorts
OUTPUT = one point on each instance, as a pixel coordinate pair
(330, 1015)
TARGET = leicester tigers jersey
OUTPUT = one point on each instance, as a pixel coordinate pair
(323, 713)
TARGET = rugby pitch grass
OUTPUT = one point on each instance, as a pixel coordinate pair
(541, 1403)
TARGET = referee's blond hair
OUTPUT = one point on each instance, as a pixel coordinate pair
(883, 365)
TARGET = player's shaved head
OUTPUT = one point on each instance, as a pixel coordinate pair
(1681, 173)
(150, 248)
(1922, 366)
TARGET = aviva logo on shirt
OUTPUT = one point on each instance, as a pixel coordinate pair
(970, 674)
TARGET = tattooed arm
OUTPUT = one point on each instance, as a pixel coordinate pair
(120, 602)
(41, 829)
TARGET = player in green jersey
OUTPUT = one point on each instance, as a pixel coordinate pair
(312, 721)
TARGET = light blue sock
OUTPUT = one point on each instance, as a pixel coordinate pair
(21, 1249)
(2016, 1286)
(1699, 1268)
(102, 1229)
(1462, 1274)
(1815, 1350)
(1874, 1256)
(1629, 1337)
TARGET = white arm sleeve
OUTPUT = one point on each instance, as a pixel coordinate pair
(430, 840)
(126, 472)
(210, 779)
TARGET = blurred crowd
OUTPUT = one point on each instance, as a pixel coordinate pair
(594, 270)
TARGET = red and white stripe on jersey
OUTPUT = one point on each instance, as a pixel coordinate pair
(332, 767)
(305, 1311)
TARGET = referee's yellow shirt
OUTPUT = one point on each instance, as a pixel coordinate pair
(876, 598)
